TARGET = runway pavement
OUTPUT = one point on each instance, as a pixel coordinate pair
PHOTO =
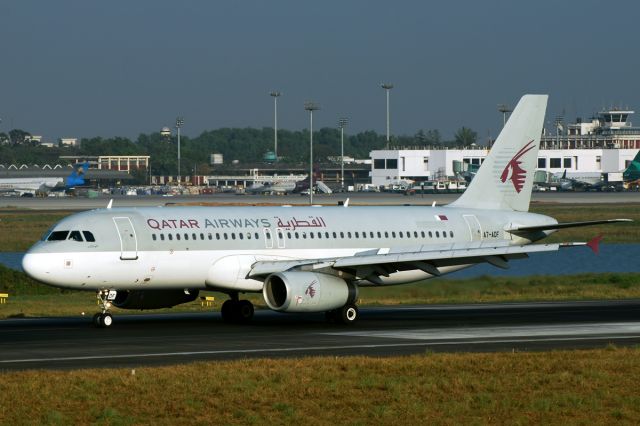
(147, 340)
(81, 203)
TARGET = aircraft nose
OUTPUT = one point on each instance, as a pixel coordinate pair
(36, 266)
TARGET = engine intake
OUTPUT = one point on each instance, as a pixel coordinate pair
(307, 292)
(152, 299)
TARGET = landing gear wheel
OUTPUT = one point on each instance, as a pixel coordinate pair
(227, 310)
(348, 314)
(244, 311)
(106, 320)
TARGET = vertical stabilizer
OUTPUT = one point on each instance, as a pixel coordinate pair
(505, 179)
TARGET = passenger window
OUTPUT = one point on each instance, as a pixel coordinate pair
(75, 236)
(451, 234)
(335, 235)
(289, 235)
(386, 234)
(304, 235)
(297, 235)
(240, 235)
(226, 237)
(170, 237)
(357, 235)
(311, 235)
(257, 236)
(371, 234)
(349, 234)
(326, 235)
(319, 235)
(153, 236)
(422, 234)
(186, 236)
(437, 234)
(280, 235)
(233, 236)
(342, 235)
(162, 237)
(88, 236)
(195, 237)
(444, 234)
(400, 234)
(248, 235)
(364, 235)
(217, 235)
(430, 234)
(178, 237)
(415, 234)
(210, 236)
(58, 236)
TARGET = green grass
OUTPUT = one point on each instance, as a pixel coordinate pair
(561, 387)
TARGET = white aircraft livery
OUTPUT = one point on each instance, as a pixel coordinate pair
(302, 259)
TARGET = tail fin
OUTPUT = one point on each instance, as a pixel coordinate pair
(76, 178)
(505, 179)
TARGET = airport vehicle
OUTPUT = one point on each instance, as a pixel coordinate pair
(302, 259)
(29, 186)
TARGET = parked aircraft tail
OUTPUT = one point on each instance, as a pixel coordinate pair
(505, 179)
(76, 178)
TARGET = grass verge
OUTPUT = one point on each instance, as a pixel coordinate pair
(563, 387)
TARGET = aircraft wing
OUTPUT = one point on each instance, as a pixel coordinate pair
(369, 264)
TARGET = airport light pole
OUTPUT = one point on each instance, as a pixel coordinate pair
(387, 87)
(179, 124)
(311, 106)
(342, 122)
(504, 109)
(275, 95)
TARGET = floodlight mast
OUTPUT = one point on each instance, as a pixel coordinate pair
(275, 94)
(387, 87)
(179, 124)
(311, 106)
(342, 123)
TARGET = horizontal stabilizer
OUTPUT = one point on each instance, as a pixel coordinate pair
(552, 226)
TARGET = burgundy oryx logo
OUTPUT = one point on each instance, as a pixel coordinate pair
(311, 291)
(518, 174)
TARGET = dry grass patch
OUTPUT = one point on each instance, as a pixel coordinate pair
(576, 387)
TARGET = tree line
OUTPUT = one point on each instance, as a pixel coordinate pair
(247, 145)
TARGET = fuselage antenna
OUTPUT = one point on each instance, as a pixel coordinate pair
(110, 203)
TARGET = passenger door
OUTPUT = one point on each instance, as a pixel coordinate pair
(128, 240)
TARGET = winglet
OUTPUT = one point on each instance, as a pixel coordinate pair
(594, 244)
(110, 203)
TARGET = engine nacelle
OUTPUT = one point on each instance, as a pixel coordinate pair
(307, 292)
(152, 299)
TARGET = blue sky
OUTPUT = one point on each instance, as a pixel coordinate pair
(86, 68)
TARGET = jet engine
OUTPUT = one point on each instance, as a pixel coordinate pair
(152, 299)
(307, 292)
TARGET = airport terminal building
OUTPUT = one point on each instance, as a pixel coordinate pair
(605, 144)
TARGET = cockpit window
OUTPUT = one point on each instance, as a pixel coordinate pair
(88, 236)
(75, 236)
(58, 236)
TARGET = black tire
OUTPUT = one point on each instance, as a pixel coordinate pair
(244, 311)
(348, 314)
(97, 320)
(227, 311)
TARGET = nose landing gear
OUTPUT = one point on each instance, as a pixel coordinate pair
(104, 319)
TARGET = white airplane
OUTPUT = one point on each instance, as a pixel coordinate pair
(302, 259)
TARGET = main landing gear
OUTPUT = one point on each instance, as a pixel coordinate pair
(348, 314)
(104, 319)
(237, 311)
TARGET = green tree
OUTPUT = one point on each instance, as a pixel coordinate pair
(465, 137)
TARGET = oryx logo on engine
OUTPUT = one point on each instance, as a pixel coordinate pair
(311, 291)
(518, 175)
